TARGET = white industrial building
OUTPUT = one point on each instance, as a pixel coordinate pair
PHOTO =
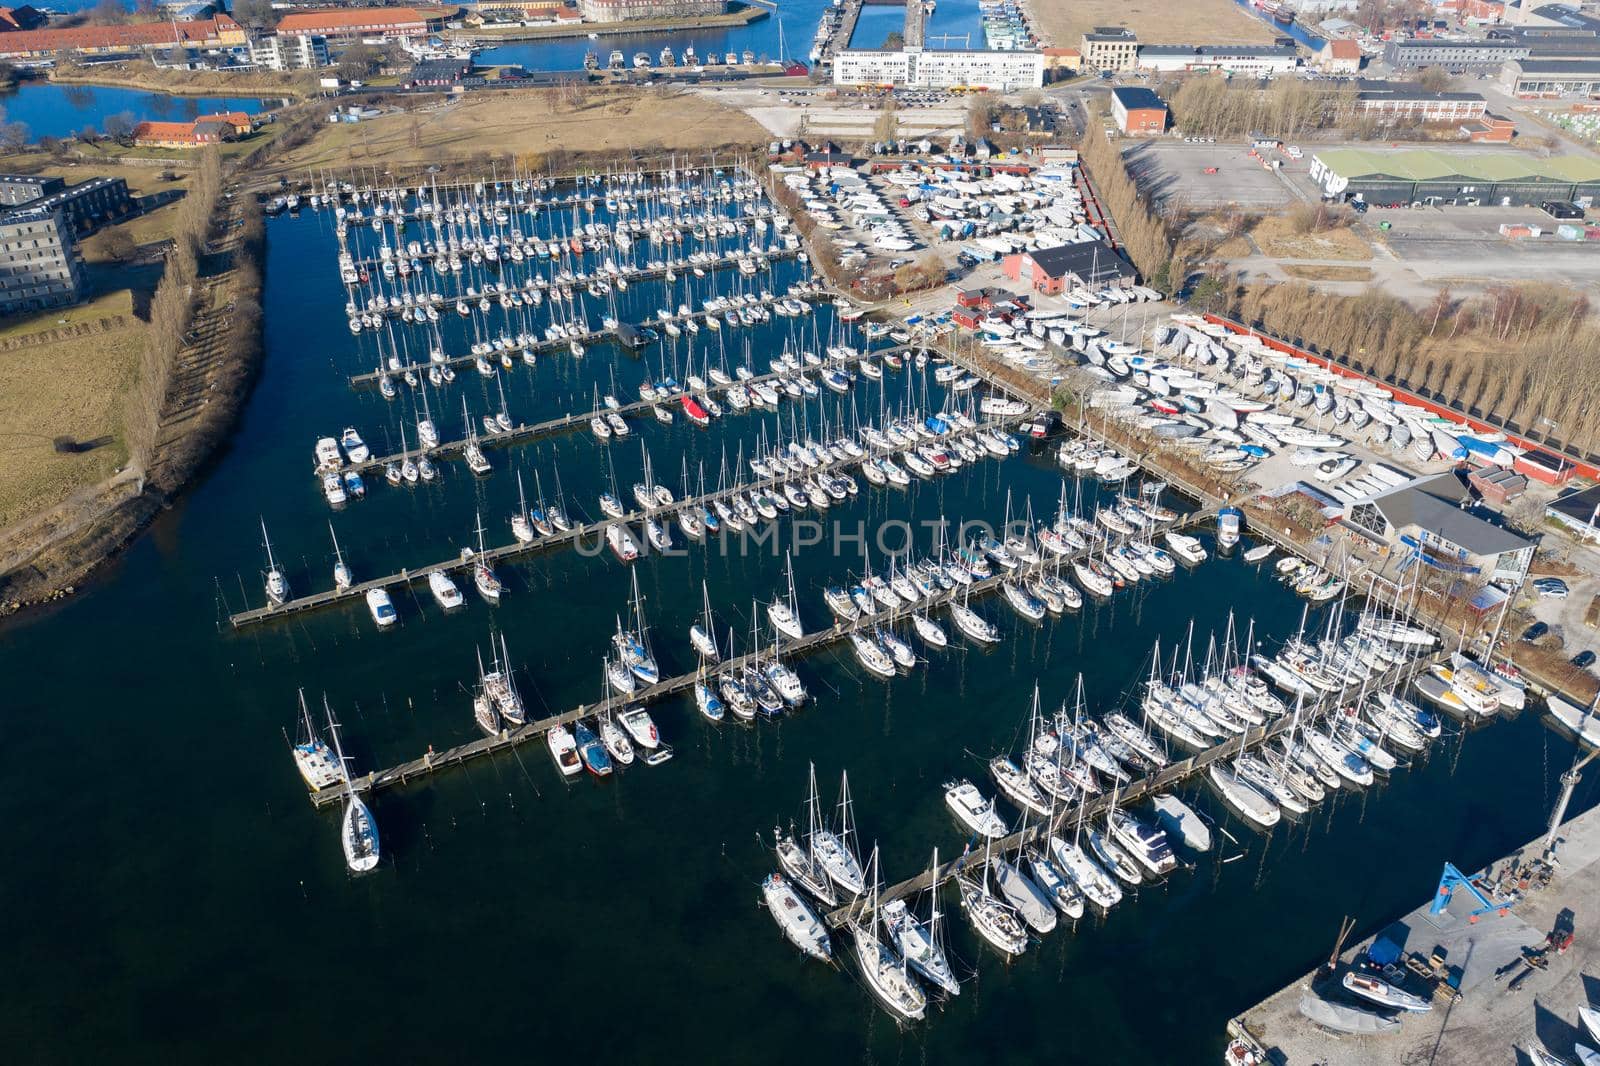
(1001, 71)
(1253, 61)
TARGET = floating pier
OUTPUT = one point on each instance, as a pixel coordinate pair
(428, 763)
(326, 598)
(1172, 775)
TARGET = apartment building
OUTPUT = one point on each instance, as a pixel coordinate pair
(39, 265)
(294, 52)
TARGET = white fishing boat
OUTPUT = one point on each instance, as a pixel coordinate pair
(381, 607)
(975, 812)
(444, 590)
(795, 918)
(355, 449)
(564, 750)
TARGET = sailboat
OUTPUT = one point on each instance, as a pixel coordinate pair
(832, 850)
(799, 923)
(918, 943)
(277, 586)
(885, 975)
(341, 573)
(700, 634)
(785, 614)
(312, 756)
(993, 919)
(797, 860)
(521, 522)
(631, 647)
(483, 575)
(358, 830)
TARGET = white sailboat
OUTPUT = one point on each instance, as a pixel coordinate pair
(277, 586)
(885, 975)
(833, 850)
(312, 756)
(701, 633)
(358, 830)
(799, 924)
(785, 614)
(920, 944)
(341, 573)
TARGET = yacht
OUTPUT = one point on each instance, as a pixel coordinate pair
(799, 924)
(972, 810)
(991, 917)
(444, 590)
(564, 750)
(1147, 844)
(315, 760)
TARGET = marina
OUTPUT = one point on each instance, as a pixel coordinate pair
(491, 641)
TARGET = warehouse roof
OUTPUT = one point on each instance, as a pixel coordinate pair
(1433, 164)
(1134, 98)
(1581, 67)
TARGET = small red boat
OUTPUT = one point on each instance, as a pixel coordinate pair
(696, 413)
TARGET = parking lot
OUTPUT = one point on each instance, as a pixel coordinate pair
(1173, 168)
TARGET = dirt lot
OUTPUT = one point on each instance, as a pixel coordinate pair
(1328, 273)
(1155, 21)
(1276, 238)
(527, 122)
(70, 388)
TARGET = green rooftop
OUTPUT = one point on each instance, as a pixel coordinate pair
(1428, 164)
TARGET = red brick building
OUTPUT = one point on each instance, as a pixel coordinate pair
(1052, 271)
(1138, 112)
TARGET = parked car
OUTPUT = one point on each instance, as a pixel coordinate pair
(1584, 659)
(1551, 586)
(1535, 631)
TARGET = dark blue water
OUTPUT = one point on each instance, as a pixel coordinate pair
(171, 896)
(1295, 29)
(798, 19)
(51, 110)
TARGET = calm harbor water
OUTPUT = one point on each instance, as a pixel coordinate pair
(52, 110)
(167, 871)
(798, 19)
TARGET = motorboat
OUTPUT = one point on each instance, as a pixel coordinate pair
(1375, 989)
(381, 607)
(444, 590)
(1147, 844)
(564, 750)
(972, 810)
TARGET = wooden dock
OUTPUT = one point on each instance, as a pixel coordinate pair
(522, 434)
(1169, 777)
(546, 346)
(301, 604)
(811, 642)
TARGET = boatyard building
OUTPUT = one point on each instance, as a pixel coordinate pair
(39, 265)
(1087, 265)
(1552, 78)
(1469, 178)
(1426, 523)
(999, 71)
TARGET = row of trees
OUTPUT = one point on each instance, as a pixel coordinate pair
(1286, 109)
(1523, 353)
(171, 314)
(1146, 235)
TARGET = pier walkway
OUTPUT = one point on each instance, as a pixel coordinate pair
(546, 345)
(526, 432)
(1173, 775)
(788, 649)
(665, 514)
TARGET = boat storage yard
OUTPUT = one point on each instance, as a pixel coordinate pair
(610, 384)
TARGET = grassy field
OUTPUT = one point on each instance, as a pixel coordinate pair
(1063, 22)
(69, 388)
(526, 122)
(141, 75)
